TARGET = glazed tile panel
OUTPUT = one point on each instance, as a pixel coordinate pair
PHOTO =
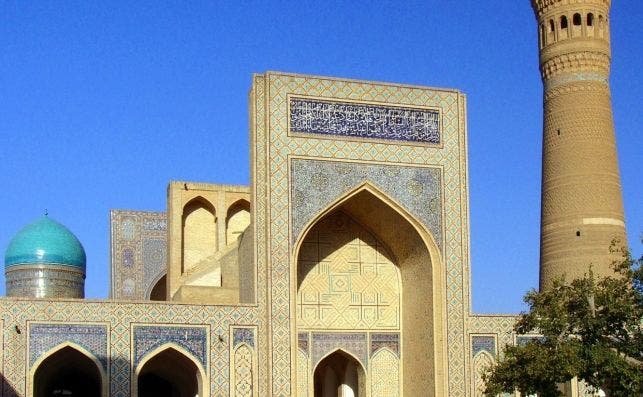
(44, 337)
(138, 252)
(317, 183)
(346, 119)
(483, 343)
(243, 335)
(148, 338)
(355, 343)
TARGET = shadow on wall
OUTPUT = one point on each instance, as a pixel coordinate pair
(7, 389)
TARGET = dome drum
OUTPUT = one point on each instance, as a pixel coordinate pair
(45, 281)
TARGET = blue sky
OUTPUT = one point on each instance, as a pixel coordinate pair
(102, 104)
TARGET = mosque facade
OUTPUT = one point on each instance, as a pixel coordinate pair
(342, 270)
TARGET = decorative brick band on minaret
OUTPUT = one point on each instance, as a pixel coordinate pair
(582, 208)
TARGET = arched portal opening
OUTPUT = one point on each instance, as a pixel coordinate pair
(339, 375)
(159, 291)
(237, 220)
(67, 372)
(199, 234)
(366, 265)
(169, 373)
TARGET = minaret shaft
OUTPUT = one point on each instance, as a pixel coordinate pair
(581, 206)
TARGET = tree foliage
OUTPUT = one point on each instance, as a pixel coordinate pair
(591, 329)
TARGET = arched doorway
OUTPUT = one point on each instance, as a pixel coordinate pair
(368, 266)
(67, 372)
(339, 375)
(159, 291)
(169, 373)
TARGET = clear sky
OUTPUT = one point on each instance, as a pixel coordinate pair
(103, 103)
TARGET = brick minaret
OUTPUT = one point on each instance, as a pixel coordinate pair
(581, 208)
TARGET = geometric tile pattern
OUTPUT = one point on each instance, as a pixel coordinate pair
(346, 279)
(486, 326)
(302, 373)
(138, 252)
(149, 337)
(260, 173)
(354, 343)
(385, 374)
(44, 337)
(243, 369)
(274, 146)
(481, 362)
(314, 116)
(316, 184)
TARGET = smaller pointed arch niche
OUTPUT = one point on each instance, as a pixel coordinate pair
(481, 362)
(237, 220)
(67, 372)
(169, 373)
(199, 234)
(339, 375)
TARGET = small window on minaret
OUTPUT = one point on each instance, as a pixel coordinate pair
(577, 20)
(577, 233)
(563, 22)
(551, 26)
(590, 19)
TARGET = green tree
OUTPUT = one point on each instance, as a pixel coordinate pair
(591, 329)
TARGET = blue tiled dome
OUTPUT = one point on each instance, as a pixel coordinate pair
(45, 242)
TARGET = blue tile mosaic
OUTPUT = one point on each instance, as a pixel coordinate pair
(385, 340)
(318, 183)
(44, 337)
(192, 339)
(354, 343)
(154, 259)
(243, 335)
(483, 343)
(314, 116)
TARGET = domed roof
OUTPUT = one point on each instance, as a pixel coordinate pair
(45, 242)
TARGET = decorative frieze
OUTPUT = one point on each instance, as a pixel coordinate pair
(91, 337)
(361, 120)
(149, 337)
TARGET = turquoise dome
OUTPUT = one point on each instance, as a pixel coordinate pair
(45, 242)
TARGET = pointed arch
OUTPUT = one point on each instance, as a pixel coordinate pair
(480, 362)
(385, 374)
(369, 187)
(314, 365)
(242, 370)
(339, 369)
(237, 220)
(37, 367)
(166, 353)
(198, 233)
(157, 290)
(423, 326)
